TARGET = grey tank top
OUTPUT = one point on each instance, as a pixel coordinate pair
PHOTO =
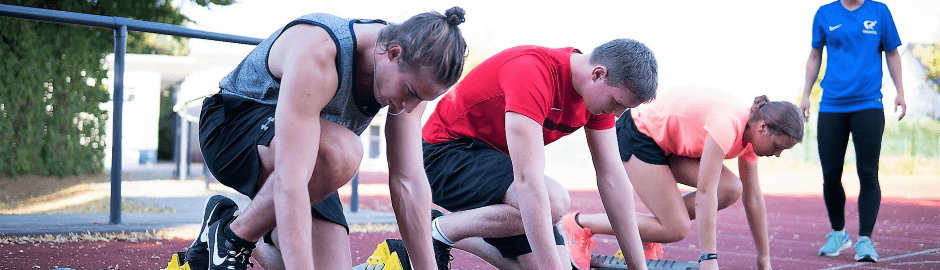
(253, 80)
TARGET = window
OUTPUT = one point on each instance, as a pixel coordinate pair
(374, 138)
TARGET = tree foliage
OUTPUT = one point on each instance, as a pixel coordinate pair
(929, 55)
(53, 82)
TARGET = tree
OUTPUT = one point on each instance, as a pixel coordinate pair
(929, 55)
(52, 82)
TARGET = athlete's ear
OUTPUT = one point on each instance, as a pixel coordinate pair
(599, 72)
(394, 52)
(762, 127)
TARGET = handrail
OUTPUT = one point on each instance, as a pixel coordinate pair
(115, 22)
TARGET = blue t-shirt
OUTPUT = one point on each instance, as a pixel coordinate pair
(854, 43)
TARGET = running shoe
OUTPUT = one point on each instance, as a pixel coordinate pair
(865, 250)
(837, 242)
(578, 240)
(226, 253)
(441, 250)
(216, 207)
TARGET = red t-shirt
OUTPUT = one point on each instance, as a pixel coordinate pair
(680, 120)
(529, 80)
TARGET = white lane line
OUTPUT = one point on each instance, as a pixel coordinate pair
(886, 259)
(916, 263)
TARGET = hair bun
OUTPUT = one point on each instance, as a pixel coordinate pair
(760, 101)
(455, 16)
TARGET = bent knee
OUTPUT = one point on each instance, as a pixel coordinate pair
(729, 194)
(560, 203)
(677, 231)
(342, 157)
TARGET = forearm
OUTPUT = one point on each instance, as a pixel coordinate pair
(706, 197)
(617, 197)
(292, 209)
(411, 203)
(706, 211)
(894, 68)
(536, 218)
(756, 213)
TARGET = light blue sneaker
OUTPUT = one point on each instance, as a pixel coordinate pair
(865, 250)
(838, 241)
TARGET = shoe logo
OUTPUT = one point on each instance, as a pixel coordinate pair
(833, 28)
(870, 27)
(216, 260)
(204, 237)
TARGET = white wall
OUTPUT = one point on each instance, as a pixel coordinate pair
(141, 114)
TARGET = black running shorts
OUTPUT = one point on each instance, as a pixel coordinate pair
(468, 173)
(230, 130)
(632, 142)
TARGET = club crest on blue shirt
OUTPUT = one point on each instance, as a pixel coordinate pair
(870, 27)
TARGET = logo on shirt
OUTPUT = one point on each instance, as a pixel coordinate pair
(869, 27)
(833, 28)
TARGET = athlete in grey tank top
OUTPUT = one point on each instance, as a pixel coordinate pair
(296, 75)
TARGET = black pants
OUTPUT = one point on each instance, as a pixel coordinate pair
(867, 128)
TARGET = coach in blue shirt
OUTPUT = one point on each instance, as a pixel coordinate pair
(855, 33)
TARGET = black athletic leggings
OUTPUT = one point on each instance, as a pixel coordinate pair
(867, 128)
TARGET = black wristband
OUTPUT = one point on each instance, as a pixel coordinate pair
(707, 256)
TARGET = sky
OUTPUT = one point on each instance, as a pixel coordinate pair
(744, 47)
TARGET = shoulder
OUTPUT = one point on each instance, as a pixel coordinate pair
(881, 8)
(320, 18)
(878, 5)
(308, 39)
(829, 8)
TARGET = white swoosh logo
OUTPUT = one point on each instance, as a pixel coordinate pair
(204, 237)
(833, 28)
(205, 234)
(216, 260)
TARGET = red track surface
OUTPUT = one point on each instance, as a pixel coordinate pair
(907, 237)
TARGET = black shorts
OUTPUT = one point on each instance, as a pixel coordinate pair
(230, 130)
(632, 142)
(468, 173)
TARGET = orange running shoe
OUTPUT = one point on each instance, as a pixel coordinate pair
(578, 240)
(652, 251)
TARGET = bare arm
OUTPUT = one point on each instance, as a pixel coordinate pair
(756, 211)
(706, 198)
(527, 150)
(812, 72)
(894, 67)
(408, 185)
(308, 82)
(616, 194)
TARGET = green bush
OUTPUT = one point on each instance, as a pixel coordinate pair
(52, 82)
(52, 85)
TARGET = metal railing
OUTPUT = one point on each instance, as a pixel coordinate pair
(120, 26)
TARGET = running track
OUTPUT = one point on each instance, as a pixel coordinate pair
(907, 237)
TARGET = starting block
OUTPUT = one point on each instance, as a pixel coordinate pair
(602, 262)
(388, 255)
(177, 262)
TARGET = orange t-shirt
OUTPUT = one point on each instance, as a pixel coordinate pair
(680, 120)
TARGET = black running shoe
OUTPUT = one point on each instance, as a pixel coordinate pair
(226, 253)
(441, 251)
(216, 208)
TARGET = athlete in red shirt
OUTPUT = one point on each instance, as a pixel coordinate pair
(484, 149)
